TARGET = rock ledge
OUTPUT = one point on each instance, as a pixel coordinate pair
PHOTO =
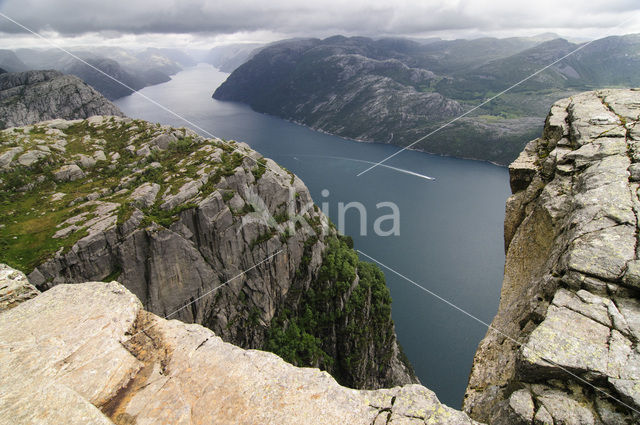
(88, 353)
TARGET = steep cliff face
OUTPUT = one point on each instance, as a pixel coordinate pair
(33, 96)
(179, 218)
(563, 347)
(89, 353)
(397, 90)
(354, 88)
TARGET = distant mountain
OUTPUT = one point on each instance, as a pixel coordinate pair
(33, 96)
(178, 56)
(454, 56)
(608, 61)
(398, 90)
(228, 58)
(137, 69)
(10, 62)
(109, 88)
(330, 86)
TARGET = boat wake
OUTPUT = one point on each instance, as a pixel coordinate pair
(400, 170)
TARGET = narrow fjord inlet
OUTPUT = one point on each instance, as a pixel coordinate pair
(450, 237)
(322, 213)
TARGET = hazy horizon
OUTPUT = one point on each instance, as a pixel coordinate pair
(198, 24)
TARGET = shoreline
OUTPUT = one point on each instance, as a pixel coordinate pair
(443, 155)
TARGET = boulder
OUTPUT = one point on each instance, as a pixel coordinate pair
(145, 195)
(7, 156)
(68, 173)
(163, 141)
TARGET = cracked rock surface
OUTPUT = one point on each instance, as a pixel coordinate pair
(14, 288)
(33, 96)
(190, 216)
(566, 346)
(89, 353)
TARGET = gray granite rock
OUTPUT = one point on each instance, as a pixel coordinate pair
(31, 157)
(14, 288)
(145, 195)
(33, 96)
(163, 141)
(569, 303)
(69, 172)
(7, 157)
(106, 360)
(85, 161)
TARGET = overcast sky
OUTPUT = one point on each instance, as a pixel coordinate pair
(202, 23)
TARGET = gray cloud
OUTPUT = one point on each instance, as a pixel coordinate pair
(319, 18)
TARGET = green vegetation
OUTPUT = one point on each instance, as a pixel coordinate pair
(262, 238)
(289, 337)
(334, 306)
(182, 146)
(113, 276)
(162, 217)
(33, 204)
(259, 169)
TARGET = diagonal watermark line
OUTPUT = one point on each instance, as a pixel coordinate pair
(493, 328)
(223, 284)
(242, 273)
(370, 168)
(582, 46)
(161, 106)
(122, 343)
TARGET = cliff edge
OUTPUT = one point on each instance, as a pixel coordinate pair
(33, 96)
(563, 348)
(88, 353)
(172, 215)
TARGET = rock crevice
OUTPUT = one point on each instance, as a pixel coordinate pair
(108, 361)
(570, 295)
(178, 218)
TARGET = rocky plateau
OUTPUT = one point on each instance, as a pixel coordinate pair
(33, 96)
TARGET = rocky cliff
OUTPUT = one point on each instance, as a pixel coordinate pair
(89, 353)
(33, 96)
(563, 348)
(177, 218)
(349, 87)
(135, 68)
(398, 90)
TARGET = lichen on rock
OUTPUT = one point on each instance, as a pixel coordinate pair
(190, 215)
(569, 307)
(89, 353)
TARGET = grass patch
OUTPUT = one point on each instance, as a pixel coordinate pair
(165, 218)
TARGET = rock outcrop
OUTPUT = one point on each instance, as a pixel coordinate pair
(399, 91)
(563, 348)
(14, 288)
(89, 353)
(33, 96)
(177, 218)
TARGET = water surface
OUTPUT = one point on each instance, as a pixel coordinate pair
(450, 228)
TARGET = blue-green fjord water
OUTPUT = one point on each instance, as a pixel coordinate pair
(451, 237)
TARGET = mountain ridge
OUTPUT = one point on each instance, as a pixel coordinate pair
(34, 96)
(301, 81)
